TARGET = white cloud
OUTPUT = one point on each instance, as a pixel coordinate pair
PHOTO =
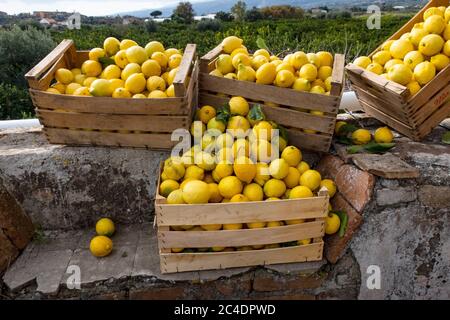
(87, 7)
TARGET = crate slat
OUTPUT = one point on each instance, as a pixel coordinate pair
(180, 262)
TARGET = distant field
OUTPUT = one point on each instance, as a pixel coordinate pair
(349, 36)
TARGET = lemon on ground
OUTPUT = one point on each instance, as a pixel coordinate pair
(274, 188)
(292, 155)
(232, 226)
(298, 59)
(64, 76)
(224, 64)
(72, 87)
(130, 69)
(332, 223)
(299, 192)
(155, 83)
(401, 74)
(231, 43)
(266, 73)
(105, 227)
(246, 73)
(239, 198)
(399, 48)
(91, 68)
(196, 192)
(325, 58)
(381, 57)
(431, 45)
(338, 126)
(412, 59)
(214, 123)
(253, 192)
(330, 185)
(434, 24)
(100, 246)
(230, 186)
(361, 136)
(362, 62)
(383, 135)
(279, 168)
(413, 87)
(256, 225)
(151, 68)
(175, 197)
(311, 179)
(239, 106)
(194, 172)
(424, 72)
(82, 91)
(215, 196)
(440, 61)
(375, 68)
(301, 84)
(211, 227)
(153, 46)
(167, 187)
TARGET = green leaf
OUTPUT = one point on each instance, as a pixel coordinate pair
(371, 147)
(283, 133)
(344, 222)
(261, 43)
(256, 113)
(106, 61)
(344, 140)
(354, 149)
(446, 138)
(347, 129)
(224, 114)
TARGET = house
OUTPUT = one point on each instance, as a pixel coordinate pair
(399, 8)
(317, 12)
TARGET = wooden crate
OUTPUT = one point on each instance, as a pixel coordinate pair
(107, 121)
(391, 103)
(293, 104)
(313, 209)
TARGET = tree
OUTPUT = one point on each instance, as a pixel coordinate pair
(155, 14)
(253, 15)
(238, 10)
(184, 12)
(224, 16)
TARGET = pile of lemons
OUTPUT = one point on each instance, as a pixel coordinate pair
(415, 58)
(101, 245)
(219, 169)
(309, 72)
(122, 69)
(363, 136)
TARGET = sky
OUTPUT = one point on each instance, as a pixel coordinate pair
(86, 7)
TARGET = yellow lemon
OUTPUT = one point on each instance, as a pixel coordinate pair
(100, 246)
(130, 69)
(196, 192)
(308, 72)
(298, 59)
(157, 94)
(167, 187)
(231, 75)
(79, 78)
(413, 87)
(155, 83)
(258, 61)
(136, 54)
(273, 224)
(413, 58)
(311, 179)
(244, 169)
(225, 140)
(324, 73)
(332, 223)
(263, 131)
(88, 81)
(224, 64)
(375, 68)
(115, 84)
(431, 45)
(300, 192)
(256, 225)
(231, 43)
(206, 113)
(361, 136)
(151, 68)
(105, 227)
(431, 12)
(96, 53)
(175, 197)
(205, 160)
(401, 74)
(387, 45)
(152, 47)
(325, 58)
(262, 52)
(238, 123)
(214, 123)
(303, 242)
(285, 66)
(223, 169)
(225, 155)
(174, 169)
(241, 147)
(279, 168)
(174, 60)
(440, 61)
(301, 84)
(111, 46)
(215, 196)
(72, 87)
(82, 91)
(303, 167)
(171, 76)
(295, 221)
(177, 250)
(362, 62)
(383, 135)
(253, 192)
(274, 188)
(232, 226)
(136, 82)
(240, 58)
(127, 43)
(381, 57)
(239, 198)
(161, 58)
(262, 149)
(292, 155)
(61, 87)
(399, 48)
(266, 73)
(434, 24)
(112, 72)
(330, 185)
(424, 72)
(194, 172)
(64, 76)
(170, 91)
(91, 68)
(293, 178)
(100, 88)
(262, 173)
(230, 186)
(239, 106)
(284, 79)
(121, 59)
(417, 35)
(246, 73)
(312, 58)
(53, 90)
(139, 96)
(447, 14)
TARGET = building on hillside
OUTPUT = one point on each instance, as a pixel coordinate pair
(318, 12)
(205, 16)
(399, 8)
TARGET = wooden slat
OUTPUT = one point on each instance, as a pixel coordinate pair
(259, 92)
(242, 212)
(96, 138)
(101, 121)
(179, 262)
(209, 57)
(422, 113)
(282, 116)
(428, 125)
(170, 106)
(180, 81)
(46, 79)
(338, 75)
(243, 237)
(315, 142)
(82, 56)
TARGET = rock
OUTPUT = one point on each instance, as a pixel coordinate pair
(435, 196)
(387, 166)
(356, 186)
(329, 166)
(8, 252)
(387, 196)
(334, 245)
